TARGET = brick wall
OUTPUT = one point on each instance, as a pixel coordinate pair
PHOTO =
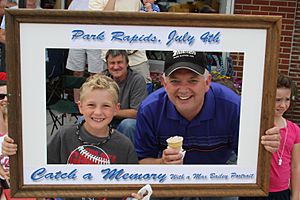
(289, 58)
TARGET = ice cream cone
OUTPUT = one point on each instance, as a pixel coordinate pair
(175, 142)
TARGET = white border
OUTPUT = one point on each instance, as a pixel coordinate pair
(35, 38)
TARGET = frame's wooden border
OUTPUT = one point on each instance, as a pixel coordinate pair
(14, 17)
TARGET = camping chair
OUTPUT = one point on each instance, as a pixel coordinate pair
(65, 105)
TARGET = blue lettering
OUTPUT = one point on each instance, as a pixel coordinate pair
(88, 176)
(117, 35)
(77, 34)
(80, 34)
(122, 37)
(210, 38)
(119, 174)
(111, 174)
(242, 176)
(218, 176)
(185, 38)
(41, 173)
(38, 174)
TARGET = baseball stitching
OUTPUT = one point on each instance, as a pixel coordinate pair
(89, 156)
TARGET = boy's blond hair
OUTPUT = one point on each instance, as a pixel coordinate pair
(99, 81)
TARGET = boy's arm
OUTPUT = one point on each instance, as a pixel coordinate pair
(295, 168)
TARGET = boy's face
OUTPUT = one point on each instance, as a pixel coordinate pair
(283, 101)
(98, 108)
(117, 67)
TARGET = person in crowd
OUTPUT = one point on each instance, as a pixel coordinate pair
(285, 166)
(4, 160)
(205, 114)
(133, 90)
(78, 58)
(138, 60)
(150, 6)
(6, 4)
(4, 165)
(32, 4)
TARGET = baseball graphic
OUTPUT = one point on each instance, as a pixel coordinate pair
(88, 154)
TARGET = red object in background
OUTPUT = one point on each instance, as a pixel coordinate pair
(3, 76)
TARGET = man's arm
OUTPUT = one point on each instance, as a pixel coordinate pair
(295, 176)
(127, 113)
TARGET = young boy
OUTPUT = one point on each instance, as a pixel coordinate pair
(98, 104)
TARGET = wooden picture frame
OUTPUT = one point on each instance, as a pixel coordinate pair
(30, 32)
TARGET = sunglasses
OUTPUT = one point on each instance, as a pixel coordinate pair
(2, 96)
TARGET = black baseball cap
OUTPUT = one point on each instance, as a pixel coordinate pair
(192, 60)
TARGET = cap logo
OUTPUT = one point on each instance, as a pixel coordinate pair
(178, 54)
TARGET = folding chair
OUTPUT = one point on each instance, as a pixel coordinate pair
(65, 105)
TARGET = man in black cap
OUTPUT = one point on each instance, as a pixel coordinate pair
(189, 105)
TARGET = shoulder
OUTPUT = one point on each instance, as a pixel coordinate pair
(154, 101)
(155, 98)
(67, 131)
(132, 74)
(122, 140)
(223, 93)
(136, 80)
(293, 126)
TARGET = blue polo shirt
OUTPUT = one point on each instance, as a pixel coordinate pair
(209, 138)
